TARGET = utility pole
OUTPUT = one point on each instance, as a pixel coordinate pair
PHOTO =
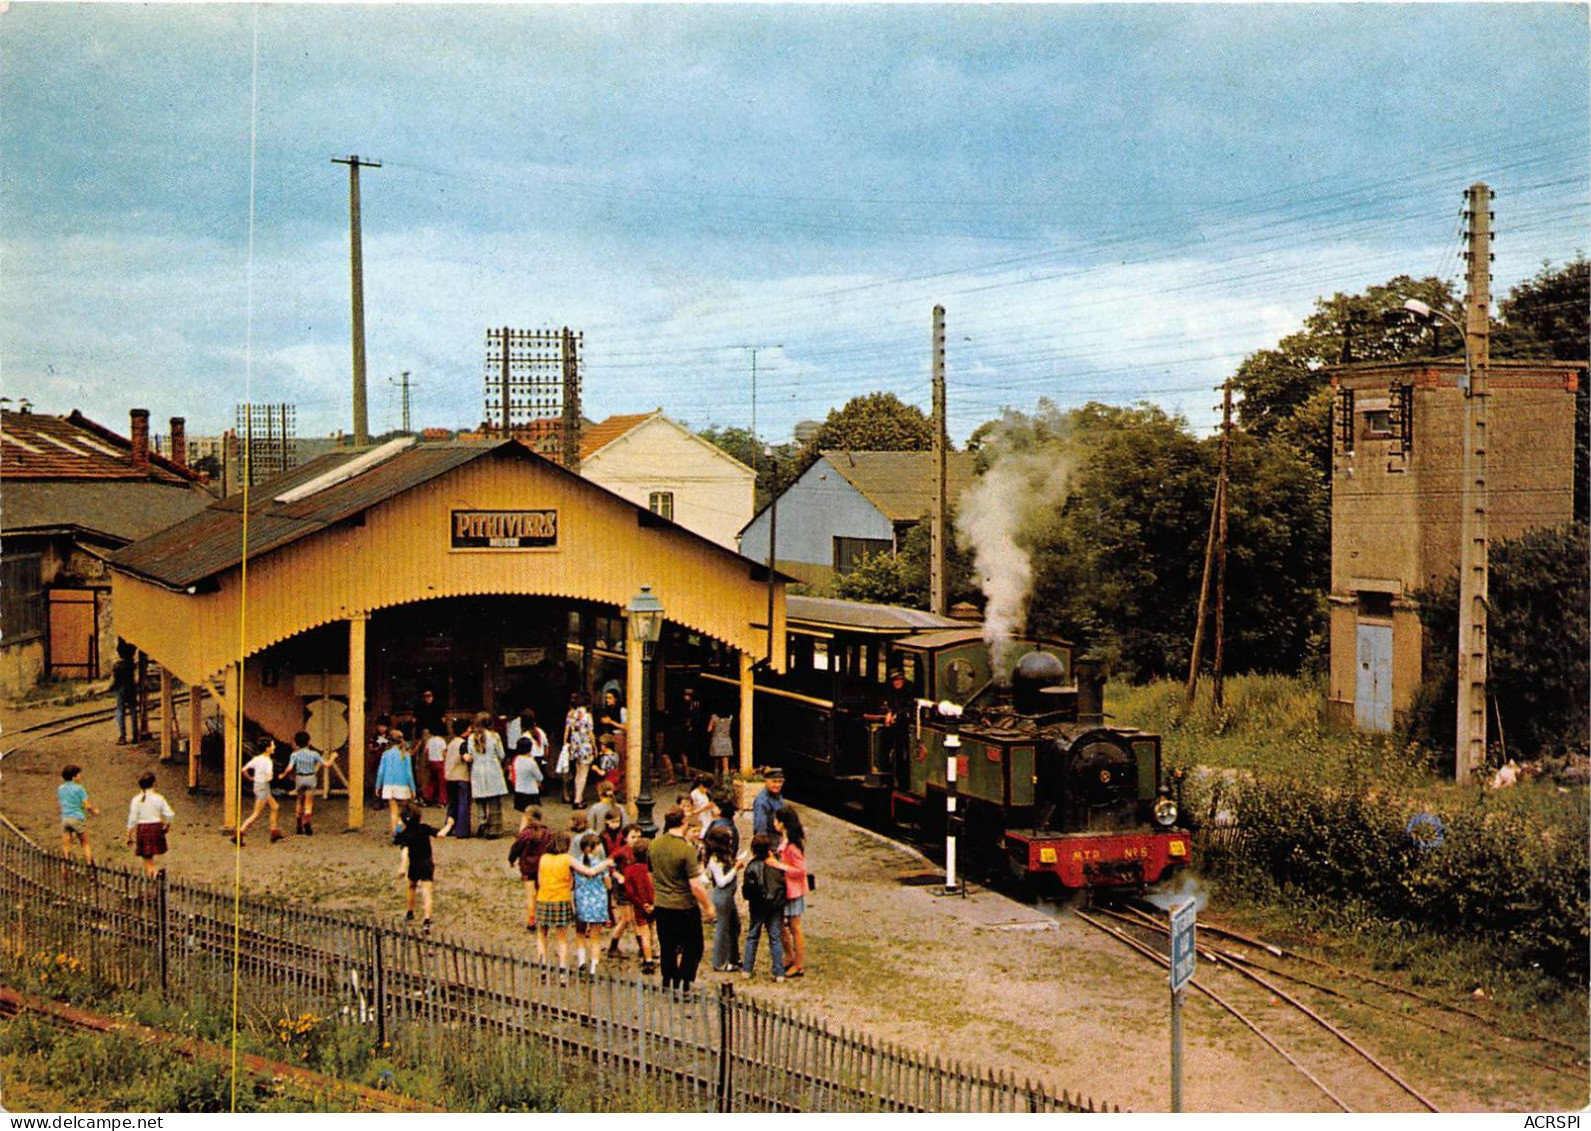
(507, 334)
(937, 598)
(1217, 533)
(753, 351)
(1474, 552)
(357, 270)
(571, 397)
(1220, 537)
(403, 385)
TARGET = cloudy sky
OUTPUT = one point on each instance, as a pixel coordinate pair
(1112, 202)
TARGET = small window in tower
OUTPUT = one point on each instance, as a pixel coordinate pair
(1377, 605)
(1378, 424)
(662, 503)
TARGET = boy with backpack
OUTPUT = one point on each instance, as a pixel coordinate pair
(763, 886)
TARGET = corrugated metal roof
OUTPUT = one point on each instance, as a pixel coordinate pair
(832, 612)
(122, 510)
(212, 541)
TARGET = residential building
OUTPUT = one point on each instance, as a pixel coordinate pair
(672, 472)
(850, 504)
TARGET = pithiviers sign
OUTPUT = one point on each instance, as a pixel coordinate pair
(504, 530)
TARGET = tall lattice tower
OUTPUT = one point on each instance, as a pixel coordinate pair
(532, 389)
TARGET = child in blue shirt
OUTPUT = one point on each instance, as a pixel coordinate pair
(75, 809)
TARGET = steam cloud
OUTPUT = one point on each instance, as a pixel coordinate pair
(995, 520)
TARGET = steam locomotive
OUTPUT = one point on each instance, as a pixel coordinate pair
(1044, 785)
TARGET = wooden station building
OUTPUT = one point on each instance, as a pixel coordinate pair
(483, 571)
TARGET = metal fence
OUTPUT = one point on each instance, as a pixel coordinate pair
(697, 1050)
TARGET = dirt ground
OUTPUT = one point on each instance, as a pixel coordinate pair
(984, 980)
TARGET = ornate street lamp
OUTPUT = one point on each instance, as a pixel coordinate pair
(646, 625)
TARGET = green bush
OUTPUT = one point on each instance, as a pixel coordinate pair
(1511, 868)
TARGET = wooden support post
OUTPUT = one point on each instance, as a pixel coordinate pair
(356, 719)
(748, 751)
(640, 744)
(195, 731)
(168, 715)
(232, 763)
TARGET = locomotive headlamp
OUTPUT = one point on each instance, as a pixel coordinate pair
(1165, 811)
(948, 710)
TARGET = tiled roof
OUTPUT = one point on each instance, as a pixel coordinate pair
(599, 436)
(36, 446)
(901, 484)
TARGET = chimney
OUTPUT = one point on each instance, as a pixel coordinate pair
(140, 434)
(179, 441)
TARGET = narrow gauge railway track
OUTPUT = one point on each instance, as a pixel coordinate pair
(1143, 923)
(66, 724)
(1576, 1066)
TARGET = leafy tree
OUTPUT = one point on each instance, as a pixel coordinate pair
(903, 578)
(1537, 643)
(1549, 316)
(876, 422)
(772, 463)
(1117, 564)
(1284, 389)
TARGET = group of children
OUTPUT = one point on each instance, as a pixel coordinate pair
(303, 766)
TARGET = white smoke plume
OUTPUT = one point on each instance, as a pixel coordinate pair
(995, 520)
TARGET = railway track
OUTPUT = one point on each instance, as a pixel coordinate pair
(66, 724)
(1347, 1074)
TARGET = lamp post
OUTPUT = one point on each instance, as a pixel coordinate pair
(646, 625)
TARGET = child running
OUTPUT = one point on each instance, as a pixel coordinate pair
(75, 810)
(591, 901)
(621, 850)
(149, 818)
(259, 771)
(303, 766)
(414, 836)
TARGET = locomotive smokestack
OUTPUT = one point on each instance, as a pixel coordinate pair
(1090, 690)
(1035, 682)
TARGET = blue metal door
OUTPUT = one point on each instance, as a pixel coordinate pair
(1372, 701)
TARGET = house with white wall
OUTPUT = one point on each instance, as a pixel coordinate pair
(663, 466)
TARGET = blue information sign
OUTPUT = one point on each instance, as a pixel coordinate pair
(1184, 956)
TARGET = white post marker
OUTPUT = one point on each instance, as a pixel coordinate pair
(952, 748)
(1184, 958)
(951, 713)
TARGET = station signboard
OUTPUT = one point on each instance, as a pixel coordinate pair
(504, 530)
(1184, 956)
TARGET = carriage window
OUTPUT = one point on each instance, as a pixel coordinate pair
(820, 655)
